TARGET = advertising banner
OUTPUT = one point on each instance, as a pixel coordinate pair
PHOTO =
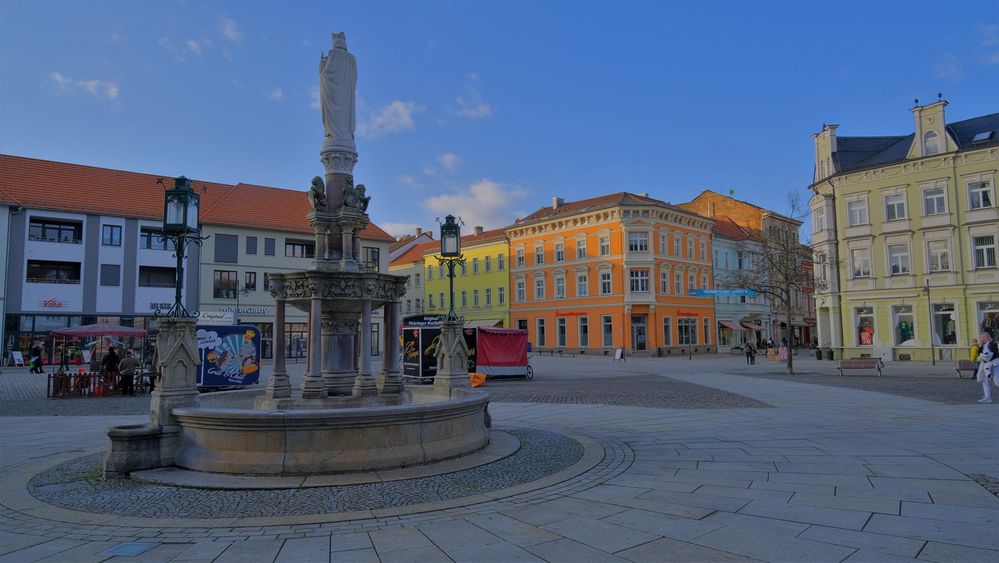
(230, 355)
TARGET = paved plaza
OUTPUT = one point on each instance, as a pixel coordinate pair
(720, 462)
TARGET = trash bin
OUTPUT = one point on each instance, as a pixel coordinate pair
(818, 354)
(829, 354)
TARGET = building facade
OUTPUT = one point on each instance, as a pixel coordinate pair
(481, 284)
(904, 238)
(410, 264)
(741, 319)
(612, 272)
(5, 211)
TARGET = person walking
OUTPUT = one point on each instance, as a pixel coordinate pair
(750, 354)
(35, 363)
(127, 367)
(988, 362)
(109, 369)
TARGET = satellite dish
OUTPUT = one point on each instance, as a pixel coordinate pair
(731, 192)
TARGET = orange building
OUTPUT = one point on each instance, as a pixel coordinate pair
(615, 271)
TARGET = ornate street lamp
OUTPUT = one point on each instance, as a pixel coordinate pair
(451, 254)
(929, 317)
(181, 225)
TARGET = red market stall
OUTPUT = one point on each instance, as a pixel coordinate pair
(502, 352)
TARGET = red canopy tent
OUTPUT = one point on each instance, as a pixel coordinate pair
(99, 329)
(502, 351)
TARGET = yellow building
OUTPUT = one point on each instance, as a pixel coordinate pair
(481, 286)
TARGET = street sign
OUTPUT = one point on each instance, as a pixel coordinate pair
(718, 292)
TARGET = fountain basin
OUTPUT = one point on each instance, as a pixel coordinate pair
(227, 435)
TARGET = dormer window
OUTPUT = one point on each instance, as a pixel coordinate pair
(931, 143)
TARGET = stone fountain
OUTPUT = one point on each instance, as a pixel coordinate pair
(343, 418)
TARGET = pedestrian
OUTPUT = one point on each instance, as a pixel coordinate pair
(127, 367)
(975, 350)
(988, 366)
(109, 368)
(750, 354)
(35, 363)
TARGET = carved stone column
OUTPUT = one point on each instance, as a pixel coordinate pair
(279, 386)
(312, 383)
(365, 384)
(452, 359)
(391, 376)
(177, 349)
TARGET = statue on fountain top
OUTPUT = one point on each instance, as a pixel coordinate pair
(337, 84)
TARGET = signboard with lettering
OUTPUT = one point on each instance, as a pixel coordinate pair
(687, 314)
(230, 355)
(422, 320)
(570, 313)
(244, 309)
(721, 292)
(216, 317)
(52, 303)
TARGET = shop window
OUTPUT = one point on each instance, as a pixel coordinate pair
(607, 328)
(865, 326)
(540, 334)
(988, 317)
(667, 331)
(584, 332)
(904, 325)
(560, 332)
(707, 331)
(687, 331)
(48, 271)
(944, 324)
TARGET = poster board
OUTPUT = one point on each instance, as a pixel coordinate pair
(230, 355)
(619, 355)
(16, 359)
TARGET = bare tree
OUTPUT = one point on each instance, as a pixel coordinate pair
(777, 260)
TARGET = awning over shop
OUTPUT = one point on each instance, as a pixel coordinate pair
(755, 327)
(799, 323)
(483, 322)
(730, 324)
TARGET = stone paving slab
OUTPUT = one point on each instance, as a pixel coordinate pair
(890, 545)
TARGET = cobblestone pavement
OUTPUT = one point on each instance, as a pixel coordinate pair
(826, 474)
(944, 390)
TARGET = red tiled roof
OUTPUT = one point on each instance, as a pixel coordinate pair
(599, 202)
(726, 227)
(486, 236)
(60, 186)
(416, 253)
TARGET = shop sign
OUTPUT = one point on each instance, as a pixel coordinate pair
(160, 306)
(216, 317)
(422, 320)
(570, 313)
(247, 310)
(52, 303)
(719, 292)
(687, 314)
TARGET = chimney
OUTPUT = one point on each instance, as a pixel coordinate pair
(478, 230)
(419, 231)
(711, 209)
(556, 202)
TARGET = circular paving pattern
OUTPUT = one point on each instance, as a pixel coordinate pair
(77, 485)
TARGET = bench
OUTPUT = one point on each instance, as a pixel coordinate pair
(964, 365)
(861, 363)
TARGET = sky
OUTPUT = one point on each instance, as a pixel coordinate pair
(486, 110)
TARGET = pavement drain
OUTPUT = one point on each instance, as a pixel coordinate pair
(71, 485)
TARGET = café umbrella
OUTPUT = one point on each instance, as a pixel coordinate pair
(98, 330)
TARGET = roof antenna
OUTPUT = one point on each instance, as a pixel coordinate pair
(939, 95)
(731, 191)
(915, 101)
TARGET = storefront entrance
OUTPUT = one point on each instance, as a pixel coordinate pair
(639, 333)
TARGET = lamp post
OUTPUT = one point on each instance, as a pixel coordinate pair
(929, 321)
(451, 254)
(181, 225)
(239, 291)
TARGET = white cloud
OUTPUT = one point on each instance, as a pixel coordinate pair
(96, 88)
(408, 181)
(277, 95)
(236, 83)
(174, 50)
(399, 229)
(947, 68)
(314, 102)
(471, 104)
(395, 117)
(193, 47)
(449, 161)
(230, 30)
(486, 203)
(990, 44)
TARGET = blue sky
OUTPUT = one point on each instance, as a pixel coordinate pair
(486, 109)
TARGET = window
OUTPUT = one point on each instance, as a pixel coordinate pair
(667, 331)
(820, 260)
(664, 282)
(678, 283)
(819, 220)
(638, 241)
(440, 270)
(541, 333)
(372, 258)
(903, 324)
(931, 143)
(475, 298)
(475, 266)
(111, 235)
(559, 252)
(584, 332)
(980, 194)
(607, 330)
(580, 248)
(560, 331)
(604, 246)
(639, 281)
(520, 257)
(559, 287)
(934, 201)
(676, 244)
(154, 239)
(898, 259)
(605, 283)
(944, 324)
(46, 271)
(488, 263)
(707, 331)
(110, 275)
(417, 284)
(500, 295)
(704, 250)
(690, 247)
(939, 251)
(151, 276)
(464, 269)
(663, 247)
(582, 284)
(895, 207)
(250, 281)
(430, 301)
(704, 280)
(269, 245)
(409, 305)
(251, 245)
(500, 262)
(418, 304)
(444, 303)
(856, 213)
(226, 248)
(539, 255)
(686, 329)
(691, 281)
(295, 249)
(224, 284)
(865, 326)
(267, 281)
(860, 262)
(539, 288)
(985, 251)
(521, 289)
(51, 230)
(430, 273)
(375, 340)
(489, 296)
(739, 260)
(464, 299)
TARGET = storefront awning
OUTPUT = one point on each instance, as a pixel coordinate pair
(730, 324)
(483, 322)
(799, 323)
(752, 326)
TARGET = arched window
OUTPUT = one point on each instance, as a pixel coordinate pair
(931, 143)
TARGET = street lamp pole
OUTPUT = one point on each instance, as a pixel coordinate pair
(929, 323)
(451, 255)
(181, 225)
